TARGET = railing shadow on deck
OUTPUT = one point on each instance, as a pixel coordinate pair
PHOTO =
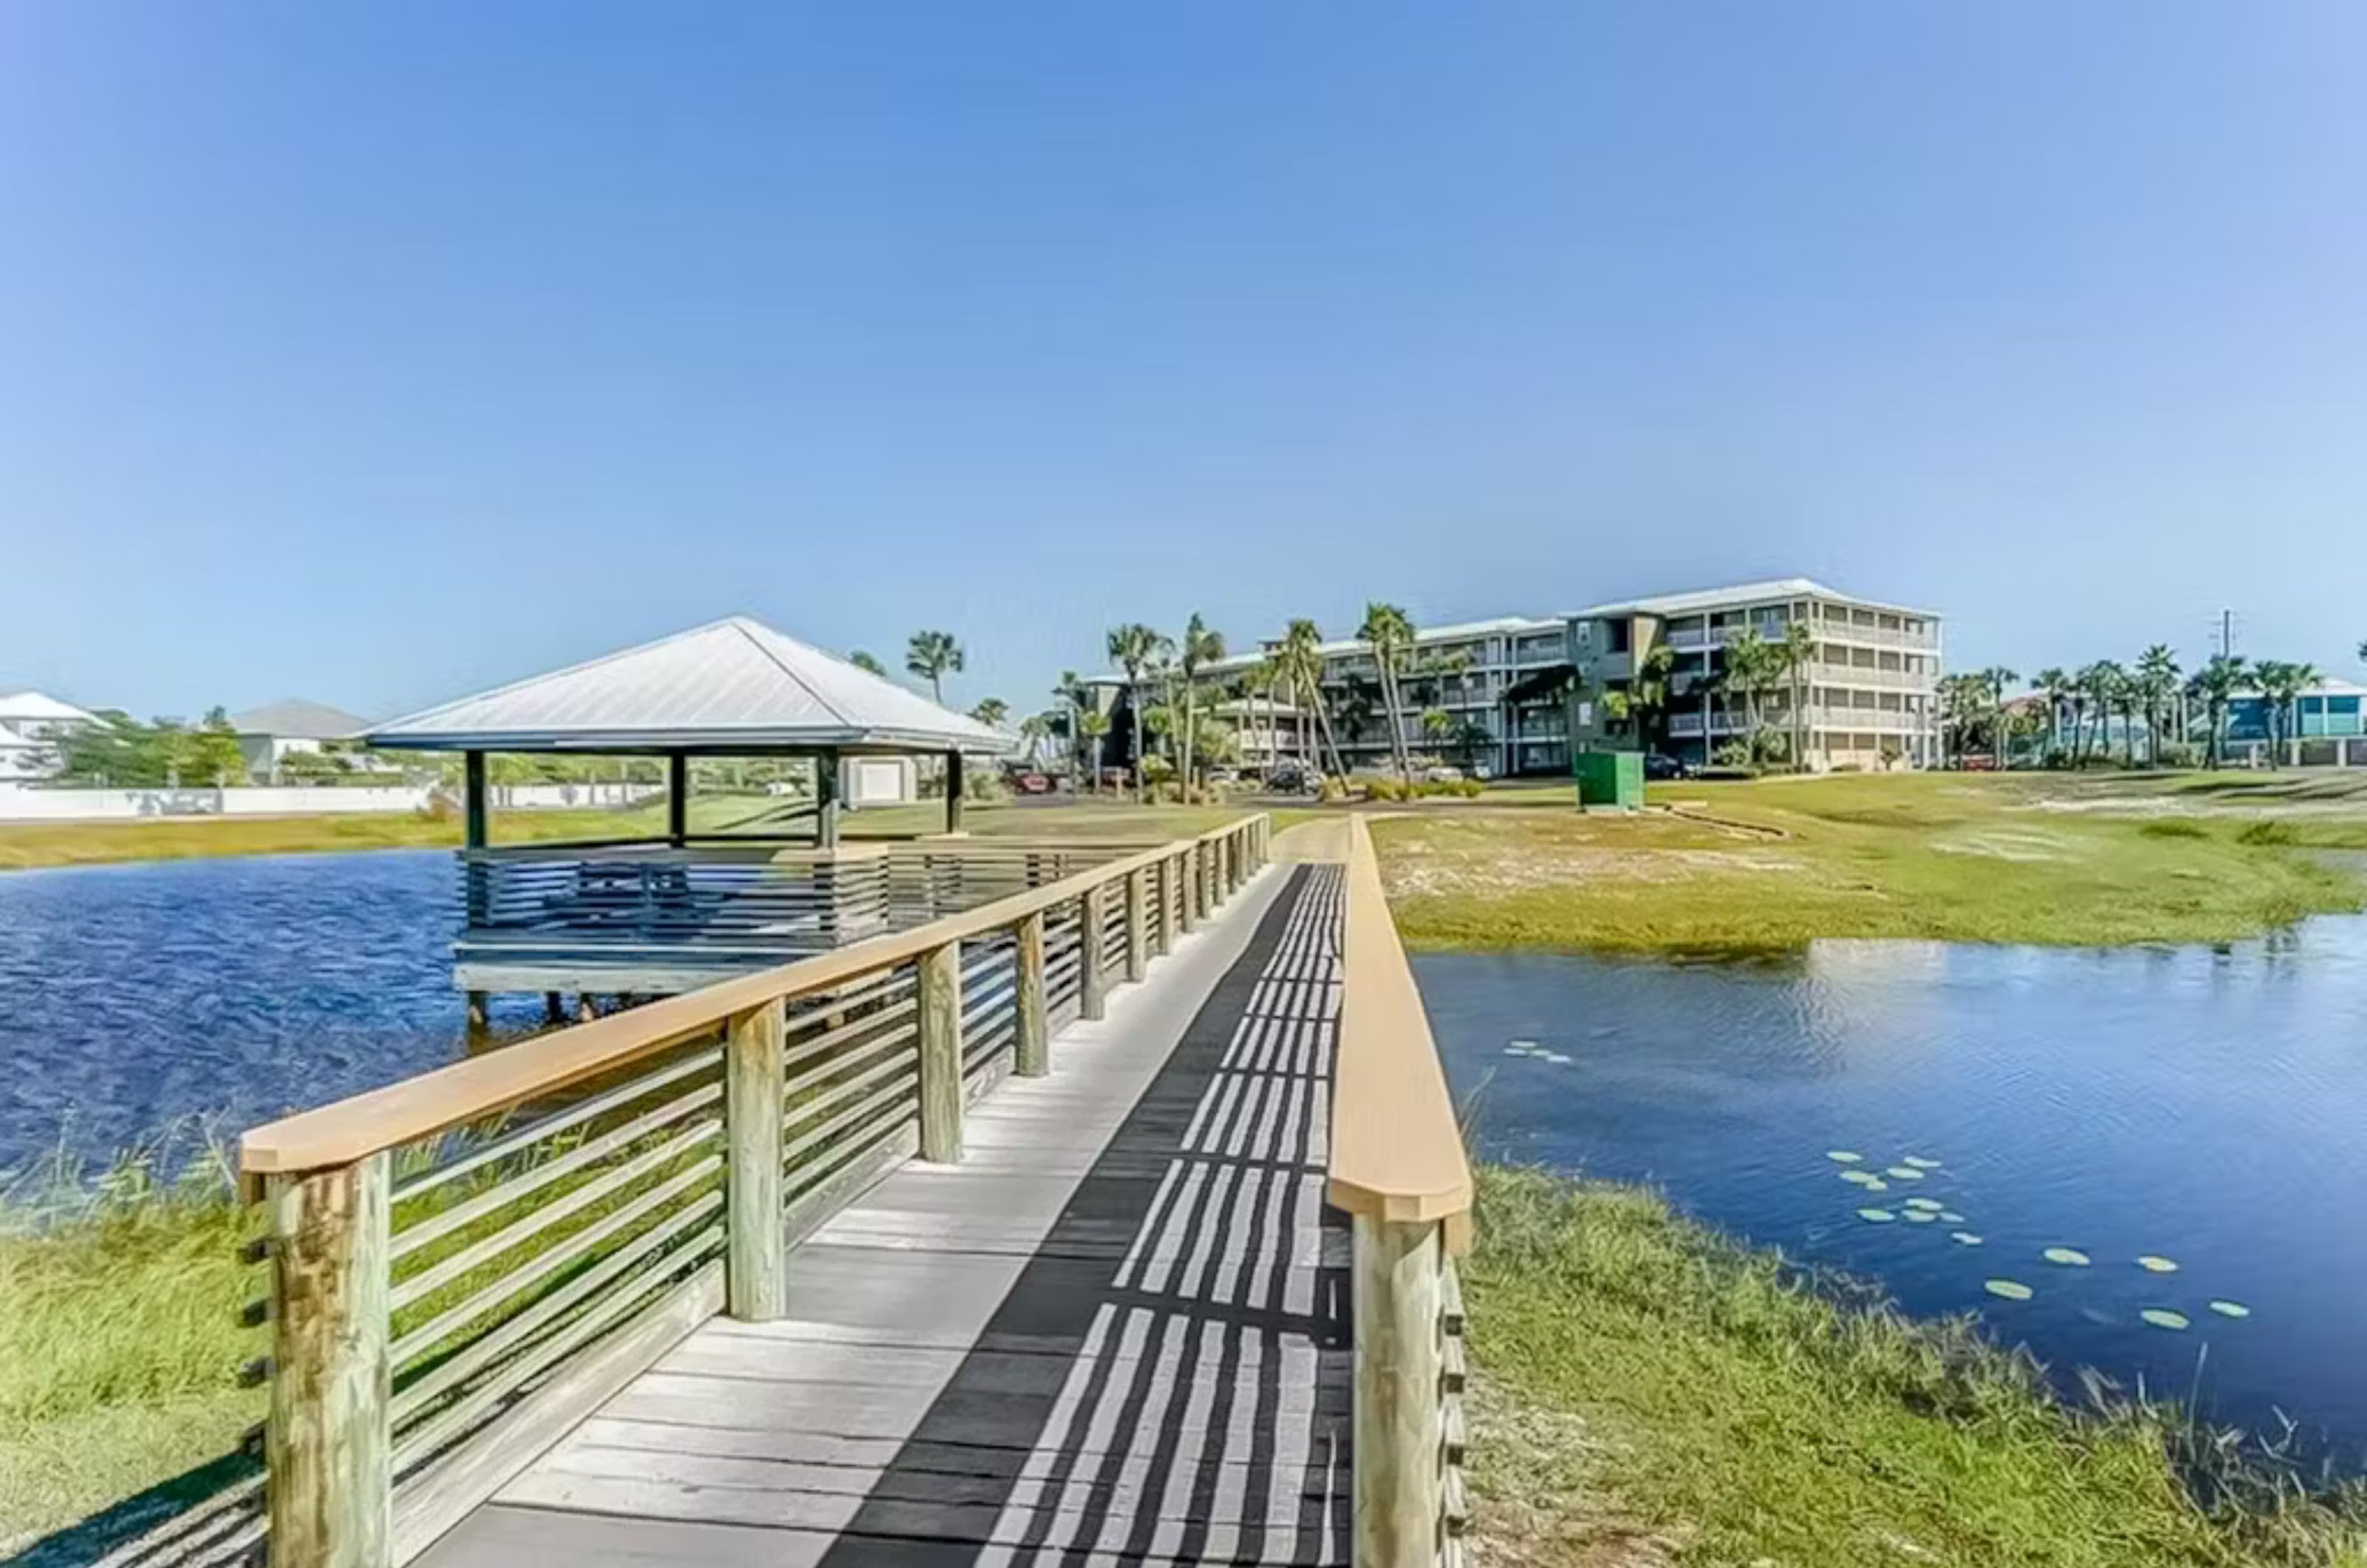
(1168, 1377)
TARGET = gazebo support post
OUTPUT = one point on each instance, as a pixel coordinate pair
(825, 800)
(677, 799)
(474, 836)
(952, 791)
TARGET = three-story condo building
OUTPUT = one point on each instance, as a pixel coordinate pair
(1518, 694)
(1865, 681)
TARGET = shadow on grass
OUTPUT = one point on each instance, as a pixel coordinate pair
(198, 1517)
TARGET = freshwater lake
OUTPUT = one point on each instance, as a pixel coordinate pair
(2203, 1106)
(2206, 1106)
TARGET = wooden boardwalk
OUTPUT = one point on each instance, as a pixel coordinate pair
(1117, 1332)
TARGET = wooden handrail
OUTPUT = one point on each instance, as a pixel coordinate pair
(420, 1107)
(1396, 1154)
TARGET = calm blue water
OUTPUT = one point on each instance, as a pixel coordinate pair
(2209, 1106)
(135, 996)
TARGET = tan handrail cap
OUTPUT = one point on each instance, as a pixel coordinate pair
(1397, 1153)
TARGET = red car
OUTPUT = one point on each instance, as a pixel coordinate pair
(1027, 781)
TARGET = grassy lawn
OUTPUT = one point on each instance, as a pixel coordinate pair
(1650, 1393)
(120, 1349)
(24, 845)
(1775, 863)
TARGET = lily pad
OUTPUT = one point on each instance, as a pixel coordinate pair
(1876, 1216)
(2153, 1264)
(1920, 1216)
(1930, 1203)
(2162, 1317)
(1904, 1173)
(2069, 1257)
(1920, 1163)
(2012, 1289)
(1843, 1156)
(1953, 1217)
(1963, 1238)
(2231, 1309)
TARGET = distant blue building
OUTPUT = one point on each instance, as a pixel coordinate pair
(2329, 727)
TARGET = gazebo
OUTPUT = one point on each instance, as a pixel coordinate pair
(655, 914)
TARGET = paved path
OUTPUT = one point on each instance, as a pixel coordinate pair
(1116, 1333)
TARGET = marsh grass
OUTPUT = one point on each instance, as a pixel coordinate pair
(1930, 857)
(1651, 1391)
(120, 1344)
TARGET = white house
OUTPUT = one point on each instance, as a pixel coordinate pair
(31, 725)
(270, 735)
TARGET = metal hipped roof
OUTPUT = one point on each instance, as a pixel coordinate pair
(736, 682)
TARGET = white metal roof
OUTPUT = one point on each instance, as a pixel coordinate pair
(1424, 637)
(735, 683)
(296, 718)
(1738, 593)
(43, 707)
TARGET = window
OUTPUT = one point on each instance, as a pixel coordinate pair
(1622, 635)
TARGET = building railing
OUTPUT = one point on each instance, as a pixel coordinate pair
(464, 1265)
(1398, 1168)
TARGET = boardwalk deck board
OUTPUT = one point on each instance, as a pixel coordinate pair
(1116, 1333)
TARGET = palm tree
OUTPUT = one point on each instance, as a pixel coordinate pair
(2216, 685)
(1797, 650)
(1036, 729)
(1750, 666)
(2281, 683)
(991, 712)
(1437, 724)
(867, 663)
(1094, 725)
(1071, 692)
(1994, 681)
(933, 656)
(1131, 648)
(2101, 683)
(2156, 684)
(2050, 684)
(1388, 630)
(1301, 656)
(1201, 646)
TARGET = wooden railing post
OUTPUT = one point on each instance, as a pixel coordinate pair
(941, 1054)
(756, 1250)
(329, 1442)
(1093, 973)
(1033, 1057)
(1400, 1439)
(1137, 932)
(1189, 905)
(1163, 923)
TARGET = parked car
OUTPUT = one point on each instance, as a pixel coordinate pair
(1442, 773)
(1661, 766)
(1293, 778)
(1027, 781)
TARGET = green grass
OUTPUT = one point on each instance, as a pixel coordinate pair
(1651, 1393)
(26, 845)
(1774, 864)
(119, 1344)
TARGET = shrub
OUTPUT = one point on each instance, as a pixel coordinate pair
(2266, 833)
(2174, 828)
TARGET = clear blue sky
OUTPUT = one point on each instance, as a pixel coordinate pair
(377, 356)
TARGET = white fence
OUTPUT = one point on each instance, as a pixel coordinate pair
(21, 805)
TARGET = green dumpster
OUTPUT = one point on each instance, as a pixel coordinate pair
(1610, 778)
